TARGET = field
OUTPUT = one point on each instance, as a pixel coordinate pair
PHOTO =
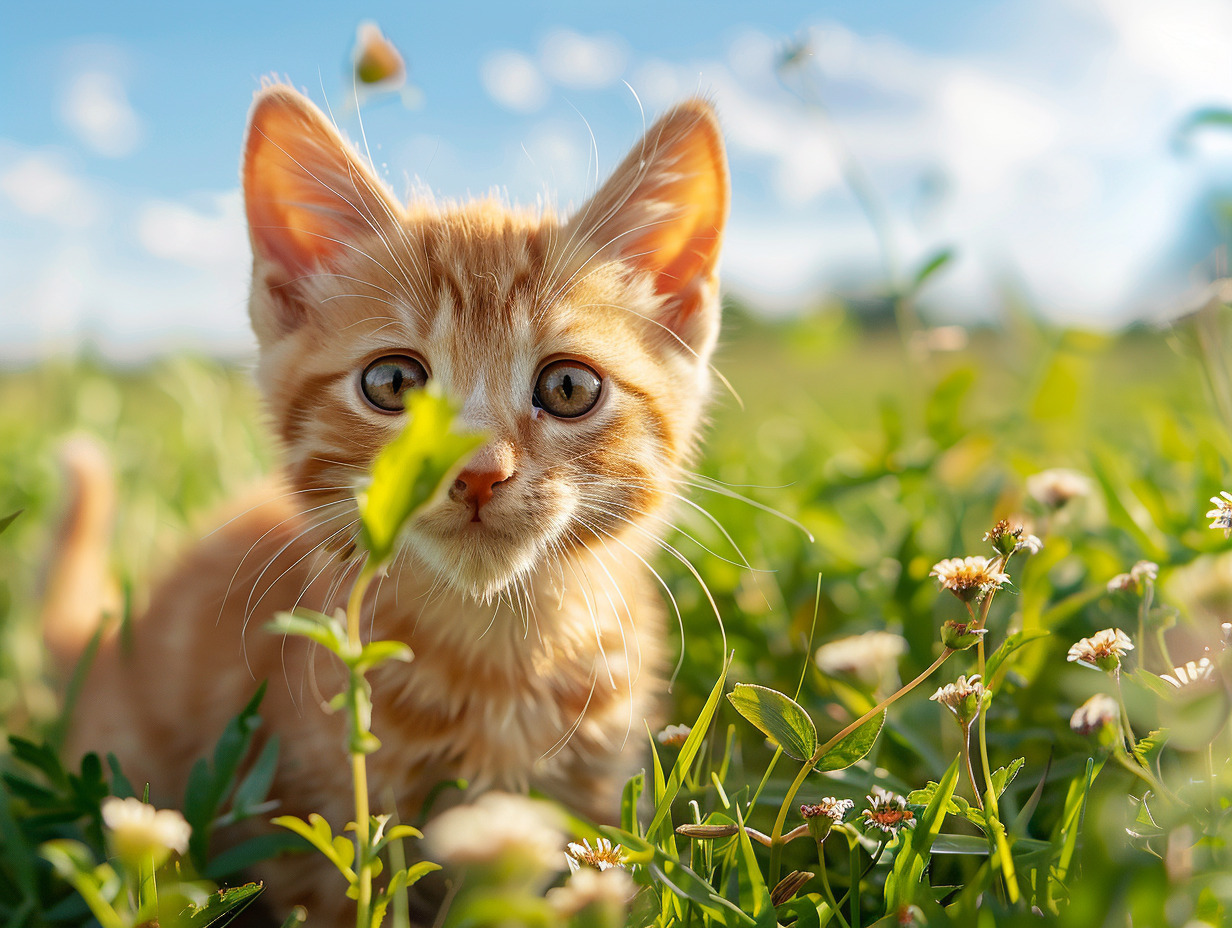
(877, 460)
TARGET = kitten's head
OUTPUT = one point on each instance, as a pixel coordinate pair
(580, 346)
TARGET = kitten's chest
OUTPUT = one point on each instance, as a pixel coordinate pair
(508, 710)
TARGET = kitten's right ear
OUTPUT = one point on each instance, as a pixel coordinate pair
(308, 195)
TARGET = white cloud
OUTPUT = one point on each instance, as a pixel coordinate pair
(216, 238)
(39, 185)
(513, 81)
(583, 62)
(95, 107)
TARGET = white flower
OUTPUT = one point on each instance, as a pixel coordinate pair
(871, 657)
(887, 812)
(1193, 672)
(674, 735)
(610, 888)
(969, 577)
(1222, 513)
(963, 698)
(139, 831)
(1098, 711)
(1139, 575)
(498, 826)
(1102, 651)
(1056, 487)
(1031, 544)
(602, 856)
(831, 808)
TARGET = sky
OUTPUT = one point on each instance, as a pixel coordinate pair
(1038, 139)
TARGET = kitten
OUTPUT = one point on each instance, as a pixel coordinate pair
(580, 347)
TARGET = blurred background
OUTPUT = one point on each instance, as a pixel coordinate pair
(1066, 152)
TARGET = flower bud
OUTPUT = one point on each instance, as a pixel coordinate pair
(959, 636)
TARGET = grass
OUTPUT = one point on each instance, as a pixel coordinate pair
(892, 462)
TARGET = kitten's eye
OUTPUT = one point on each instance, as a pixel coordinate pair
(567, 389)
(386, 379)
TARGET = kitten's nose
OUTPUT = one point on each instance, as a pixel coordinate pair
(477, 486)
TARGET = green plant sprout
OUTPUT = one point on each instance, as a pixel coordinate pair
(406, 475)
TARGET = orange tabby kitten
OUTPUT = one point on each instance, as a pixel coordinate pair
(580, 347)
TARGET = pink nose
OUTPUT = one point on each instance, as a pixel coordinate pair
(477, 487)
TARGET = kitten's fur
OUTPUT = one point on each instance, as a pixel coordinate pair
(536, 630)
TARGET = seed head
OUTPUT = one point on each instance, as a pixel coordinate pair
(887, 812)
(963, 698)
(1221, 515)
(969, 577)
(674, 735)
(1007, 539)
(1102, 651)
(1098, 712)
(602, 856)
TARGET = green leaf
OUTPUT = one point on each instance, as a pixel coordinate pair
(778, 716)
(253, 851)
(902, 886)
(1004, 776)
(1008, 647)
(316, 831)
(220, 903)
(8, 520)
(209, 785)
(853, 747)
(759, 902)
(1148, 748)
(936, 262)
(688, 751)
(810, 911)
(679, 879)
(628, 802)
(412, 468)
(378, 652)
(256, 783)
(327, 631)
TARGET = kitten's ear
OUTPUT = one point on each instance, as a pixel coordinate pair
(307, 193)
(663, 211)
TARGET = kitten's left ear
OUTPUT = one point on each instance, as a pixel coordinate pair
(663, 212)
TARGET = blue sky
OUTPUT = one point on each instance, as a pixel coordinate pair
(1033, 136)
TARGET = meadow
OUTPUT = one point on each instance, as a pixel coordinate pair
(842, 467)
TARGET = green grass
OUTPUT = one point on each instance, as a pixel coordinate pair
(892, 463)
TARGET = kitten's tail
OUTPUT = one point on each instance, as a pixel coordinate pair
(79, 590)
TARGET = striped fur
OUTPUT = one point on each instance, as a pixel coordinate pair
(537, 631)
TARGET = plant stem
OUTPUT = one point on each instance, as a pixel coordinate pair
(825, 885)
(966, 755)
(359, 761)
(999, 847)
(1129, 732)
(776, 835)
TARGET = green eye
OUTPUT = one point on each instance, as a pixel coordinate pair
(386, 379)
(567, 389)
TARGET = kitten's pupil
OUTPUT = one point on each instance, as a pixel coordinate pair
(567, 387)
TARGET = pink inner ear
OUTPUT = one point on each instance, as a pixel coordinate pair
(666, 205)
(308, 196)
